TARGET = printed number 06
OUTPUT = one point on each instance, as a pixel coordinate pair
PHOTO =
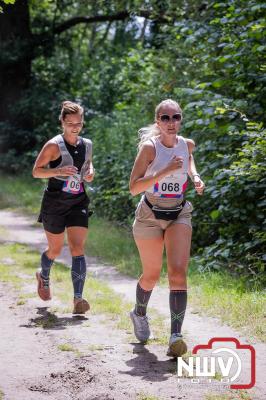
(74, 185)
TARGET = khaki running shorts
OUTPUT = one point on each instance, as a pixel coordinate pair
(146, 226)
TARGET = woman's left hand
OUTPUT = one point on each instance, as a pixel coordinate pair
(90, 175)
(199, 185)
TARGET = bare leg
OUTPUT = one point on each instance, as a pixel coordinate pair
(55, 244)
(177, 243)
(151, 253)
(76, 236)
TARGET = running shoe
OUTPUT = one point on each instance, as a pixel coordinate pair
(177, 346)
(141, 326)
(43, 287)
(80, 306)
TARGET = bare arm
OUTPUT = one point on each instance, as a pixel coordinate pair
(91, 172)
(191, 165)
(138, 183)
(50, 152)
(192, 170)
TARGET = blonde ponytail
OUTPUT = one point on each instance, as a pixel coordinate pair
(146, 133)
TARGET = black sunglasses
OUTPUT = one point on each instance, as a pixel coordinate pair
(167, 118)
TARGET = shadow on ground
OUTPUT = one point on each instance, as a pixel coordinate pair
(49, 320)
(147, 366)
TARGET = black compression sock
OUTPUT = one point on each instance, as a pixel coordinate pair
(78, 274)
(142, 299)
(178, 304)
(46, 264)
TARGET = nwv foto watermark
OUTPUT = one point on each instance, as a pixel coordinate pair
(222, 361)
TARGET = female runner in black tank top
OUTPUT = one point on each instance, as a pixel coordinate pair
(65, 202)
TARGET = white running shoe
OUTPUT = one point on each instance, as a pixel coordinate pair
(141, 326)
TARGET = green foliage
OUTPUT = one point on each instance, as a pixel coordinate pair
(239, 215)
(115, 146)
(1, 8)
(209, 57)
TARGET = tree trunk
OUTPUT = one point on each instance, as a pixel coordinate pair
(18, 49)
(15, 56)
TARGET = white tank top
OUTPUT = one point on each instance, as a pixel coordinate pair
(174, 185)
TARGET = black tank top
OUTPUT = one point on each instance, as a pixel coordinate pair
(77, 153)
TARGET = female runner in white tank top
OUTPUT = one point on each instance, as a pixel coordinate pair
(163, 217)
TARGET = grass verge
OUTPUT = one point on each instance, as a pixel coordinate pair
(143, 396)
(231, 395)
(216, 294)
(21, 193)
(66, 347)
(114, 245)
(18, 266)
(219, 295)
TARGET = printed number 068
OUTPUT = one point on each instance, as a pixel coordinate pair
(170, 187)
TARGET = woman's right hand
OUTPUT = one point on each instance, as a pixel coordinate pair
(68, 170)
(174, 164)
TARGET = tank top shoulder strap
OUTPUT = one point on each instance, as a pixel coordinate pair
(58, 139)
(154, 141)
(182, 140)
(88, 145)
(183, 143)
(88, 157)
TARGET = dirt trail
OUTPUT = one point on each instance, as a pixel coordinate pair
(105, 366)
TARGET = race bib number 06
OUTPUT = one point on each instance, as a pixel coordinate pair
(73, 185)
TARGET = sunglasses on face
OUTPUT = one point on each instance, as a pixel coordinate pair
(71, 125)
(175, 118)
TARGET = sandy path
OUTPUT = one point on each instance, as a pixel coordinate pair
(113, 368)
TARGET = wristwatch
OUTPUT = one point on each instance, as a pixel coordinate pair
(195, 175)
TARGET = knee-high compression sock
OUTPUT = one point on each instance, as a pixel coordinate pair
(142, 299)
(46, 264)
(178, 305)
(78, 274)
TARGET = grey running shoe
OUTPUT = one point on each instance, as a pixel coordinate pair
(177, 346)
(141, 326)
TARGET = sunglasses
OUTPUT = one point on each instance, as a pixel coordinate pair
(174, 118)
(71, 125)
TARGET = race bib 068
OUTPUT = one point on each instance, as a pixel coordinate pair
(171, 186)
(73, 185)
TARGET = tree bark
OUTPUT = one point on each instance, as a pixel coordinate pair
(15, 55)
(18, 47)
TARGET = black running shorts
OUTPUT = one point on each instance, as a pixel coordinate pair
(62, 210)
